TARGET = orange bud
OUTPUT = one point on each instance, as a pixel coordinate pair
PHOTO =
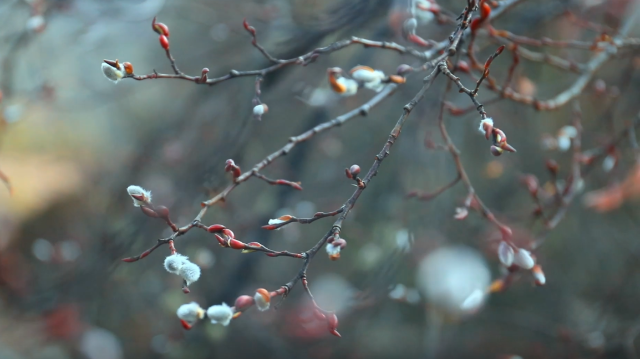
(496, 286)
(128, 68)
(485, 10)
(397, 79)
(264, 294)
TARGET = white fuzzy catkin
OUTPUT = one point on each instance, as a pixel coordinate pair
(506, 254)
(190, 272)
(114, 75)
(174, 262)
(523, 259)
(139, 191)
(261, 303)
(190, 312)
(220, 314)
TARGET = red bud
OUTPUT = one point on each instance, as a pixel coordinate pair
(552, 166)
(215, 228)
(475, 24)
(332, 321)
(164, 42)
(463, 66)
(159, 27)
(185, 325)
(162, 211)
(243, 302)
(269, 227)
(228, 233)
(222, 241)
(149, 212)
(496, 151)
(485, 10)
(236, 244)
(248, 27)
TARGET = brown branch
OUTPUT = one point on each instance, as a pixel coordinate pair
(455, 153)
(279, 64)
(422, 196)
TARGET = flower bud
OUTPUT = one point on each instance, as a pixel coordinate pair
(222, 241)
(113, 70)
(190, 272)
(354, 170)
(149, 212)
(190, 313)
(523, 259)
(404, 69)
(506, 254)
(262, 299)
(215, 228)
(332, 323)
(260, 110)
(128, 68)
(139, 195)
(552, 166)
(203, 75)
(229, 233)
(162, 211)
(174, 262)
(461, 213)
(496, 151)
(243, 302)
(486, 127)
(164, 42)
(236, 244)
(221, 314)
(538, 275)
(463, 66)
(410, 26)
(485, 10)
(160, 28)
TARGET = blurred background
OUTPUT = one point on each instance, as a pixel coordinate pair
(72, 142)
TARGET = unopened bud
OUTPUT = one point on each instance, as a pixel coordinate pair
(332, 323)
(164, 42)
(260, 110)
(262, 299)
(404, 69)
(243, 302)
(524, 259)
(216, 228)
(552, 166)
(160, 28)
(538, 275)
(354, 170)
(506, 254)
